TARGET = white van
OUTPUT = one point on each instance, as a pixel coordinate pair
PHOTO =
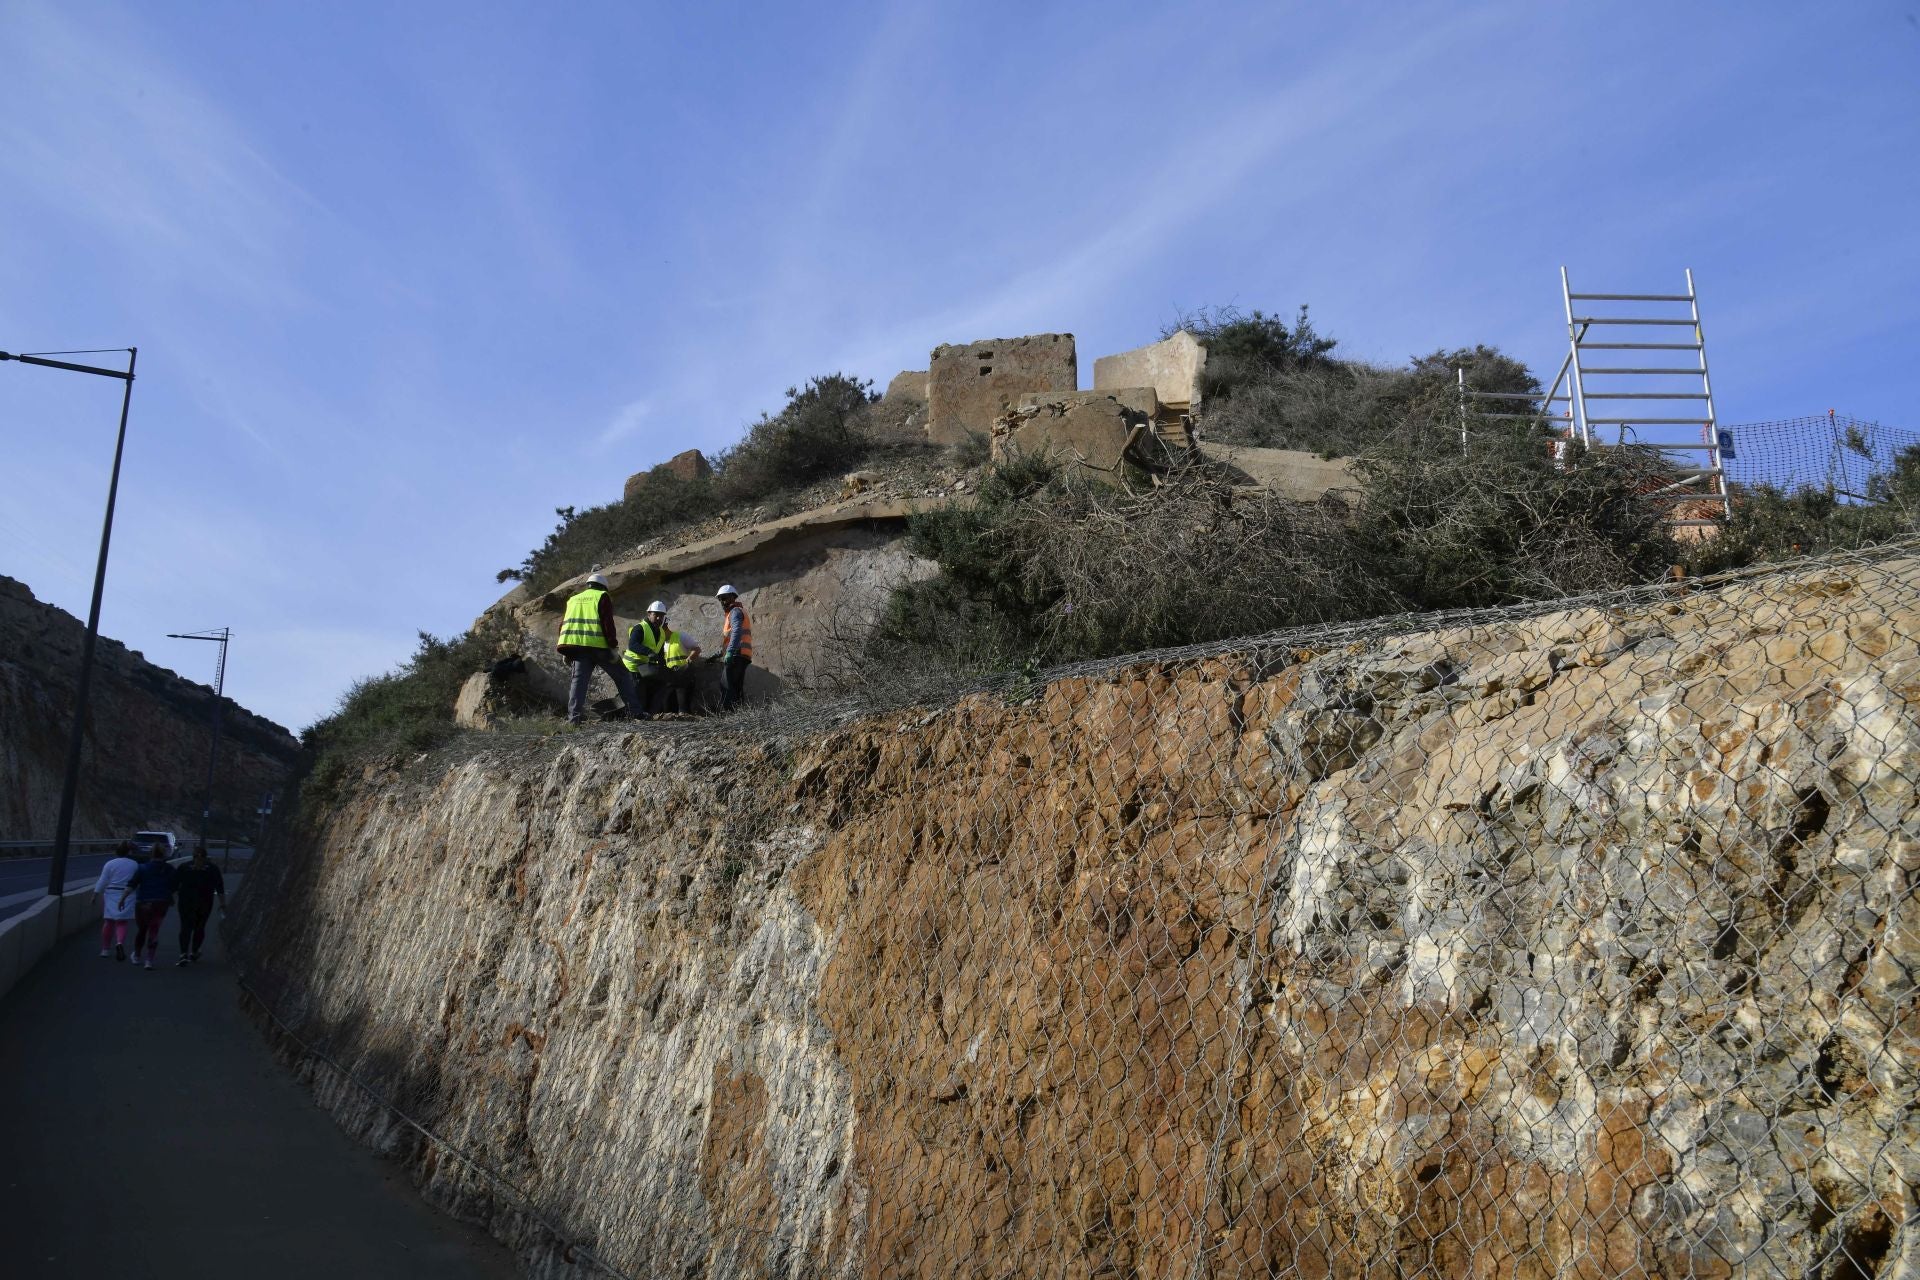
(151, 842)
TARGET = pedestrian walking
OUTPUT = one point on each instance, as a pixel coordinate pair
(588, 642)
(198, 885)
(736, 648)
(152, 895)
(114, 891)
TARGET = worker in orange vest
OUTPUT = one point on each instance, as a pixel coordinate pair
(736, 648)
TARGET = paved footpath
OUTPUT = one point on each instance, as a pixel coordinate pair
(146, 1133)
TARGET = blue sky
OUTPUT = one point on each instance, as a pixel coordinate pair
(405, 278)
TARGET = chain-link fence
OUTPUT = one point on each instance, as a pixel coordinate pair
(1572, 940)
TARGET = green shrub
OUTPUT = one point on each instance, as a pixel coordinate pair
(822, 431)
(1330, 409)
(1770, 523)
(1252, 347)
(1502, 521)
(818, 434)
(404, 712)
(585, 538)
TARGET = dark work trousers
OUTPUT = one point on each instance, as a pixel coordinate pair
(193, 926)
(583, 663)
(651, 683)
(733, 680)
(676, 690)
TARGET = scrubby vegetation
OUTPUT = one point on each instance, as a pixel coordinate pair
(1449, 510)
(1280, 385)
(826, 427)
(1048, 567)
(408, 710)
(1769, 523)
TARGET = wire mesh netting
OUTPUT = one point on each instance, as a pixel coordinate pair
(1571, 940)
(1846, 456)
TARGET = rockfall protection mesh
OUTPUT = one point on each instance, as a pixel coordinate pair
(1577, 940)
(1839, 453)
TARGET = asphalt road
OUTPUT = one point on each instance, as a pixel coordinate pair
(149, 1133)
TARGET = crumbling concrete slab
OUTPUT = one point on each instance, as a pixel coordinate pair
(971, 384)
(1171, 367)
(1303, 477)
(1088, 429)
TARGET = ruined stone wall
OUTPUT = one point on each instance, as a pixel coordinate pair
(1570, 944)
(970, 384)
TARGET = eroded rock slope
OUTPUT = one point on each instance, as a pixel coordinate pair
(146, 738)
(1579, 944)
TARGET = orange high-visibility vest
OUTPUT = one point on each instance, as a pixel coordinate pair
(746, 632)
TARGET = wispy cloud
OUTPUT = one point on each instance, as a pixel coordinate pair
(629, 418)
(100, 130)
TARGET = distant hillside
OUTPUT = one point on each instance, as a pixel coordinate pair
(146, 746)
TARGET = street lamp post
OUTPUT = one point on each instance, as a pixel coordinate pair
(70, 785)
(220, 636)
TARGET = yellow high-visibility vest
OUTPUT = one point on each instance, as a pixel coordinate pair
(646, 646)
(581, 625)
(676, 652)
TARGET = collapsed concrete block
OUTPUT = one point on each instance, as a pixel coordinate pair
(1091, 430)
(969, 385)
(1171, 367)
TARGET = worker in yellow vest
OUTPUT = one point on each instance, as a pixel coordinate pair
(736, 648)
(658, 657)
(588, 641)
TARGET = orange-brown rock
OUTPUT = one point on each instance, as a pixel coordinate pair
(1571, 944)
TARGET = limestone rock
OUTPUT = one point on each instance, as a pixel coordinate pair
(1574, 943)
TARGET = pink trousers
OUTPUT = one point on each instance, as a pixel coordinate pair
(113, 932)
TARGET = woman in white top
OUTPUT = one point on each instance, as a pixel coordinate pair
(116, 886)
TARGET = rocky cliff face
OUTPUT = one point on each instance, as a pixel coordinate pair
(146, 746)
(1575, 944)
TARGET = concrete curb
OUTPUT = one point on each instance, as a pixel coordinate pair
(28, 936)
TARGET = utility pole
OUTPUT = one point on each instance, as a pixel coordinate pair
(221, 636)
(70, 785)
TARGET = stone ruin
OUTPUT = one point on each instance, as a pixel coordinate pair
(969, 385)
(1024, 395)
(689, 465)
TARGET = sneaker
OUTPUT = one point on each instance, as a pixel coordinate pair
(181, 963)
(104, 953)
(120, 951)
(149, 964)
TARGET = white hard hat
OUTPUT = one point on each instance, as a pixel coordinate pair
(658, 606)
(726, 591)
(596, 580)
